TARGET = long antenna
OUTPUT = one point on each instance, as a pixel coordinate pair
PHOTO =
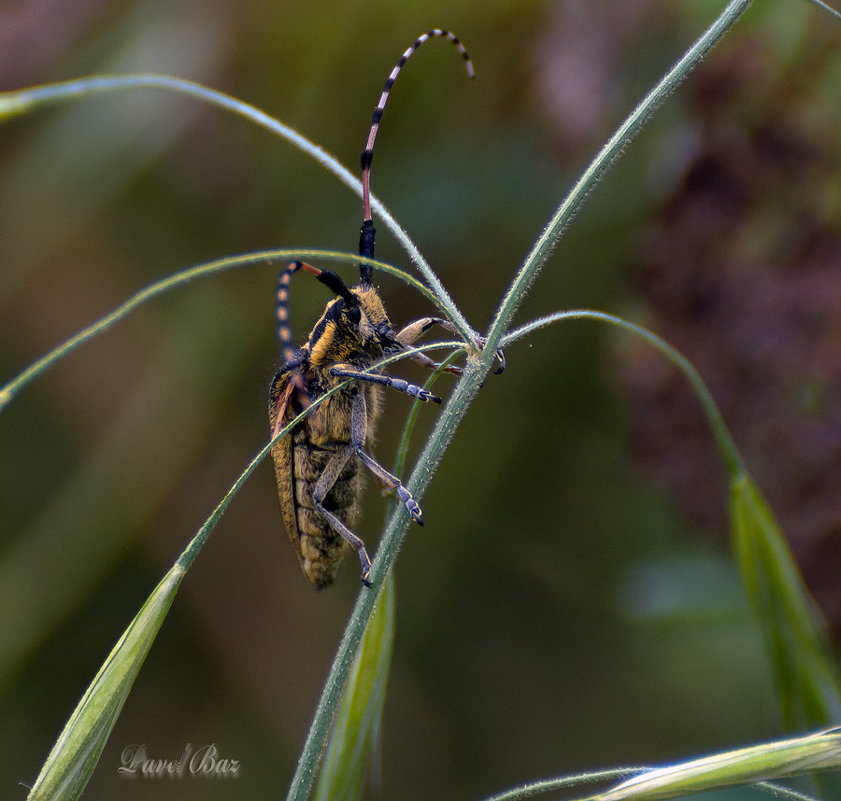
(366, 235)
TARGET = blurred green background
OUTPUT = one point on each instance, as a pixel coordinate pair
(570, 603)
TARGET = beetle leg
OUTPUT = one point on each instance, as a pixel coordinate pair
(410, 333)
(386, 380)
(358, 433)
(325, 483)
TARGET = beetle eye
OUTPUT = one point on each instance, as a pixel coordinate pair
(354, 314)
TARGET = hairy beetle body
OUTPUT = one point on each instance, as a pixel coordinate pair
(318, 465)
(324, 438)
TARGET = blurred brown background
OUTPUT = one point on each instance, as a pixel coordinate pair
(570, 603)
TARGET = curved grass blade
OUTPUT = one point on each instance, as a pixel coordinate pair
(599, 166)
(14, 103)
(77, 750)
(353, 743)
(532, 789)
(73, 758)
(810, 690)
(824, 7)
(809, 685)
(12, 387)
(729, 452)
(783, 758)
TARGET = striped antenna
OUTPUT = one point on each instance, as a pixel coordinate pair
(284, 330)
(327, 277)
(366, 236)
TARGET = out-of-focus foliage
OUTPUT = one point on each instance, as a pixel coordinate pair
(555, 587)
(747, 243)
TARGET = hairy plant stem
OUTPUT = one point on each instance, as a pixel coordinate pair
(597, 168)
(392, 539)
(468, 387)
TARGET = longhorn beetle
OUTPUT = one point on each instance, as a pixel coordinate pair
(317, 466)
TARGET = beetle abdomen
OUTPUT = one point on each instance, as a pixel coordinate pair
(320, 547)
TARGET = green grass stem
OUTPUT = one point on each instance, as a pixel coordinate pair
(599, 166)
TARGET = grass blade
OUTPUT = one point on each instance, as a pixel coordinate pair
(808, 681)
(77, 750)
(79, 746)
(821, 751)
(9, 390)
(809, 685)
(353, 744)
(22, 101)
(599, 166)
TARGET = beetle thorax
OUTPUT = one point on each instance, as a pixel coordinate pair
(358, 333)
